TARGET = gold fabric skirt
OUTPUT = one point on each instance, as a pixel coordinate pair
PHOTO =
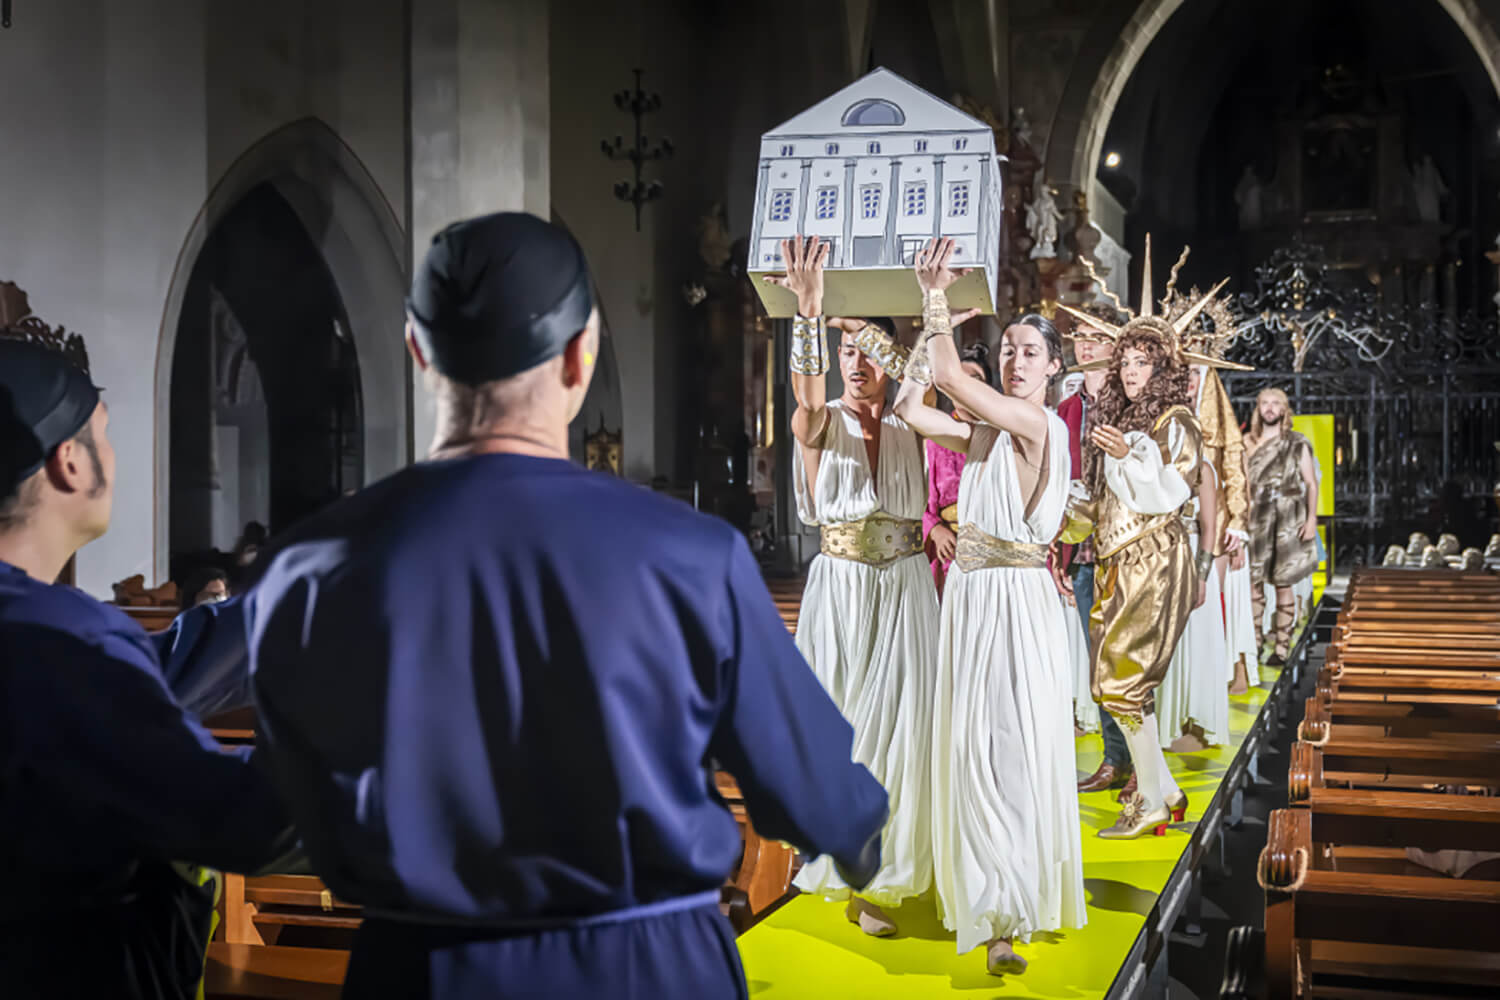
(1143, 595)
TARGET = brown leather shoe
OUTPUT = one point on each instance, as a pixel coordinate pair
(1108, 776)
(1127, 791)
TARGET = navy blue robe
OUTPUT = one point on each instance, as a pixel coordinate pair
(104, 781)
(492, 688)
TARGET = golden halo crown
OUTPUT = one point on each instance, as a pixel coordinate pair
(1178, 326)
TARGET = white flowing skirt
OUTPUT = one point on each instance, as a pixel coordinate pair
(1085, 708)
(870, 636)
(1240, 621)
(1006, 853)
(1194, 690)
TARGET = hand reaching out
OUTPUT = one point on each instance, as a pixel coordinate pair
(1110, 441)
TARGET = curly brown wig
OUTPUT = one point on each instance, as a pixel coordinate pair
(1167, 387)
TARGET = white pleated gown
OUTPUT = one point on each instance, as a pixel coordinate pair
(1085, 708)
(1239, 619)
(870, 636)
(1005, 804)
(1194, 690)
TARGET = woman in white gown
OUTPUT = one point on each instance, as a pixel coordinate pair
(1192, 703)
(1007, 861)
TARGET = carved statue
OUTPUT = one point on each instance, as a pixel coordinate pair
(1020, 126)
(603, 451)
(1042, 218)
(713, 238)
(1248, 196)
(1427, 189)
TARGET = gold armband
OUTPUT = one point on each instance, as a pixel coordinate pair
(1204, 563)
(919, 365)
(809, 346)
(935, 318)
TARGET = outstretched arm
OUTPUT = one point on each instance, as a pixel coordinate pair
(783, 738)
(927, 420)
(1021, 419)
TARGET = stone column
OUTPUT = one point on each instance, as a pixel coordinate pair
(479, 125)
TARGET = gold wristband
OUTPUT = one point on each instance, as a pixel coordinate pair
(935, 317)
(919, 365)
(1204, 563)
(809, 345)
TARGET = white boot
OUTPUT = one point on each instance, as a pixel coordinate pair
(1167, 790)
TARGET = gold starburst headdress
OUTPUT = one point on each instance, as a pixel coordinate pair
(1177, 328)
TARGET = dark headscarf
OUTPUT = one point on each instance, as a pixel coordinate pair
(498, 295)
(44, 401)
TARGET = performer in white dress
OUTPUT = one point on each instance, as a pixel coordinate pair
(1006, 851)
(1192, 703)
(868, 623)
(1085, 710)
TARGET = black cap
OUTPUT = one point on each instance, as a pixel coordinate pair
(44, 400)
(498, 295)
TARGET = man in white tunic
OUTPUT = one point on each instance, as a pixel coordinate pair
(868, 623)
(1006, 852)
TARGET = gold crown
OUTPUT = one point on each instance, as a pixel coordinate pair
(1177, 328)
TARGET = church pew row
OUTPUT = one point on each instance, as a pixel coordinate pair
(1406, 704)
(1335, 932)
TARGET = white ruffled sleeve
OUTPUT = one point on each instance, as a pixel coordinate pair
(1145, 481)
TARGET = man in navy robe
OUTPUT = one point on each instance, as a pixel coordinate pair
(106, 782)
(492, 685)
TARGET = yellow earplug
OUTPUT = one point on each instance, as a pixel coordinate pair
(588, 358)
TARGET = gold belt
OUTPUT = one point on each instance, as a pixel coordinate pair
(978, 550)
(878, 540)
(949, 515)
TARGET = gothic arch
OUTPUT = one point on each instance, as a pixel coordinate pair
(1076, 141)
(360, 238)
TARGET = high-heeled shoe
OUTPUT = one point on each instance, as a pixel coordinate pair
(1178, 806)
(1135, 820)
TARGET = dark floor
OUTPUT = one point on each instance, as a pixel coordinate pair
(1195, 963)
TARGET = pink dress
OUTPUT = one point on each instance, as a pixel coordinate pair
(944, 470)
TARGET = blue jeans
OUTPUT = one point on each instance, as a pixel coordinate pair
(1115, 751)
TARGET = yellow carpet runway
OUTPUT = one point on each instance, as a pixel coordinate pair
(807, 949)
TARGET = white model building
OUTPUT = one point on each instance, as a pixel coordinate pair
(878, 169)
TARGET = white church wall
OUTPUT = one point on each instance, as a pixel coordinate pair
(132, 114)
(102, 174)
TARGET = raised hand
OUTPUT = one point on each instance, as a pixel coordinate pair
(932, 266)
(1110, 441)
(805, 259)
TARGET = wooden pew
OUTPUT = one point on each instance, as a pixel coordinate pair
(1406, 701)
(271, 972)
(1342, 933)
(766, 867)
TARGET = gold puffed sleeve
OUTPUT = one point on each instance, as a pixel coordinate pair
(1180, 439)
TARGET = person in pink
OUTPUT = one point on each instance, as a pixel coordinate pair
(944, 469)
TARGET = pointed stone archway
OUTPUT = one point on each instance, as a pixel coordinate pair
(362, 242)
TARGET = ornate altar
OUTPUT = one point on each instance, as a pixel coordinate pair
(603, 450)
(18, 323)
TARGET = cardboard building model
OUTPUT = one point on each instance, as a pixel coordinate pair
(877, 170)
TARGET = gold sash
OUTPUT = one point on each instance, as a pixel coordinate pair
(949, 515)
(879, 540)
(978, 550)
